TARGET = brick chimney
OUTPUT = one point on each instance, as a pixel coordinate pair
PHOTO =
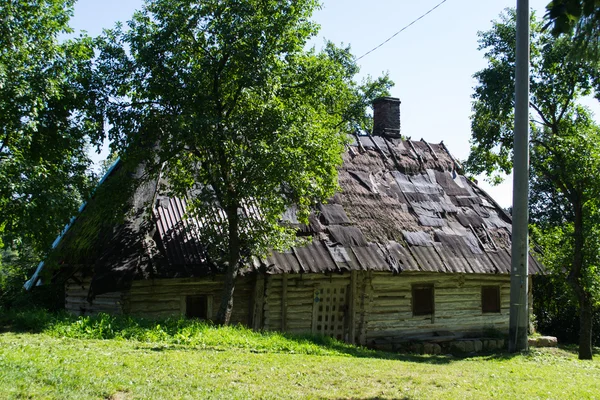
(386, 117)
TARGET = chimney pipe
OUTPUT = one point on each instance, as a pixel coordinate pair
(386, 117)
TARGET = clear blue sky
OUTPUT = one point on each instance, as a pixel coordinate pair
(432, 62)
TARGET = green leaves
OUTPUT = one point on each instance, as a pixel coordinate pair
(579, 19)
(47, 121)
(556, 82)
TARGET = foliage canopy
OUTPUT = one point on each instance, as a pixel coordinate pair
(47, 121)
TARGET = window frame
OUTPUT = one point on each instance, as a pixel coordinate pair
(485, 306)
(420, 313)
(208, 306)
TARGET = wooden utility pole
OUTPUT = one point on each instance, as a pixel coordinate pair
(519, 309)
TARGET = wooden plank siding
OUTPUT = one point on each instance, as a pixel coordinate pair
(457, 299)
(380, 305)
(166, 297)
(161, 298)
(299, 301)
(379, 309)
(76, 292)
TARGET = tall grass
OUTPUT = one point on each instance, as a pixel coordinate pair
(175, 332)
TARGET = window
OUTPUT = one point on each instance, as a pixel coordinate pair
(490, 299)
(422, 300)
(196, 307)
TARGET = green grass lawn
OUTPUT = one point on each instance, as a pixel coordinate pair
(63, 360)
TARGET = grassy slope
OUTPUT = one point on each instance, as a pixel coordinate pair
(64, 362)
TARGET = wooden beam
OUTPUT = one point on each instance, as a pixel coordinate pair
(352, 307)
(284, 302)
(365, 308)
(315, 311)
(259, 301)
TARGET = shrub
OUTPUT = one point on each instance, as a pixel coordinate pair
(15, 269)
(556, 312)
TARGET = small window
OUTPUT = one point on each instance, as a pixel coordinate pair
(196, 307)
(490, 299)
(422, 300)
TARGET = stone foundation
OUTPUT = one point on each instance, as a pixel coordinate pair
(459, 346)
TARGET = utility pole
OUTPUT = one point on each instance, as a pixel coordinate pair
(519, 309)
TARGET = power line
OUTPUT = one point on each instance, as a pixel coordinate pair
(395, 34)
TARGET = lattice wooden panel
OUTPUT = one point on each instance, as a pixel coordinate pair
(329, 310)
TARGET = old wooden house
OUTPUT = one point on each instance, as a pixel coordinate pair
(409, 248)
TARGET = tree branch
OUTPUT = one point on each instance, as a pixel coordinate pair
(216, 84)
(198, 44)
(568, 100)
(236, 98)
(138, 103)
(556, 180)
(542, 116)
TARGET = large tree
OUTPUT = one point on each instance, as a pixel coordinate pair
(567, 215)
(564, 164)
(46, 121)
(242, 119)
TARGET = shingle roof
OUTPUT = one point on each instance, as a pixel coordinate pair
(403, 206)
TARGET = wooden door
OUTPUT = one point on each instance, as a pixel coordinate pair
(330, 309)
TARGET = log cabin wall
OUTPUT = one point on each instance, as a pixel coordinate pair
(76, 291)
(292, 303)
(379, 305)
(457, 300)
(163, 298)
(363, 307)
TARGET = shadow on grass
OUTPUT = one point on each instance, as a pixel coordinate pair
(379, 398)
(181, 334)
(574, 349)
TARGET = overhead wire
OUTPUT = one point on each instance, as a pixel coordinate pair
(400, 31)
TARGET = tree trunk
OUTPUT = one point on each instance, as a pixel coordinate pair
(585, 305)
(226, 306)
(585, 329)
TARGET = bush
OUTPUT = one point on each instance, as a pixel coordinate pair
(31, 320)
(15, 269)
(556, 311)
(14, 272)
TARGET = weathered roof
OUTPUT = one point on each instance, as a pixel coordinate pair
(403, 206)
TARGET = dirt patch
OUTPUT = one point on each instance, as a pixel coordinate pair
(118, 396)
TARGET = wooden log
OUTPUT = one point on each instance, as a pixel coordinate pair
(97, 302)
(304, 315)
(259, 302)
(377, 302)
(284, 303)
(293, 296)
(273, 293)
(352, 306)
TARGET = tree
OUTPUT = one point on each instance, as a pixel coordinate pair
(564, 164)
(241, 118)
(580, 19)
(46, 122)
(571, 161)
